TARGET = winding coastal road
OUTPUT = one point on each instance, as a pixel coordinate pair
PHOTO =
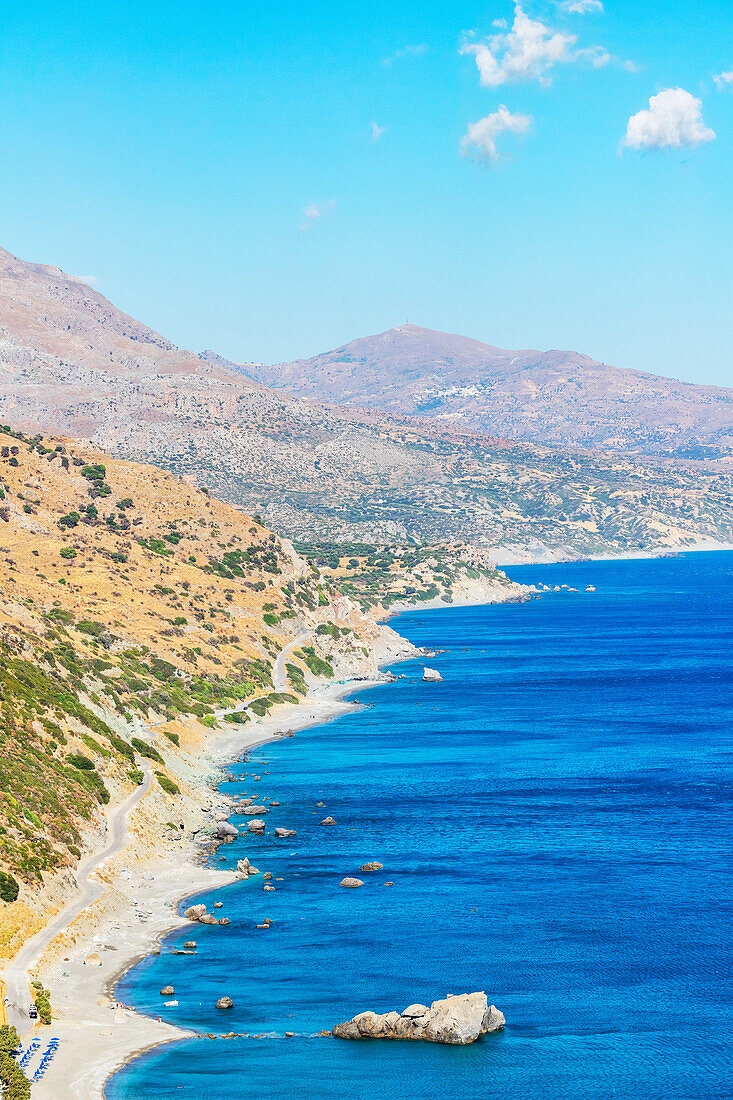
(89, 890)
(279, 678)
(16, 974)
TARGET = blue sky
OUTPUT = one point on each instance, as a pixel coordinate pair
(213, 167)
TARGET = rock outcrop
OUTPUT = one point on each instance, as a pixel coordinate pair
(456, 1019)
(328, 821)
(245, 868)
(353, 882)
(285, 832)
(225, 1002)
(256, 825)
(432, 675)
(375, 866)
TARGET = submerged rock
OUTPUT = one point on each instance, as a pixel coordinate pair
(458, 1020)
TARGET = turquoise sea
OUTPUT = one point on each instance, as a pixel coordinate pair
(557, 820)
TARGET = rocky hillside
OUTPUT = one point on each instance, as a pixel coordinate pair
(71, 364)
(134, 610)
(552, 397)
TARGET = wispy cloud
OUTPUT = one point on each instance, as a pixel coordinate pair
(90, 280)
(414, 50)
(673, 120)
(479, 141)
(724, 80)
(580, 7)
(313, 212)
(377, 132)
(529, 50)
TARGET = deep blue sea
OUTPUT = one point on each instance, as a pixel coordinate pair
(557, 820)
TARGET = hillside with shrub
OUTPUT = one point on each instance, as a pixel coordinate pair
(134, 611)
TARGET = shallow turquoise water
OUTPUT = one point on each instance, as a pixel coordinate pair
(557, 820)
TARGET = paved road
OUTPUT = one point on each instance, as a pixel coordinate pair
(16, 975)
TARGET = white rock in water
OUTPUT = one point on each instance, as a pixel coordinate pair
(458, 1020)
(256, 825)
(352, 882)
(225, 829)
(432, 675)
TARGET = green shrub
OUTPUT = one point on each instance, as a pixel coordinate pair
(270, 619)
(167, 784)
(68, 552)
(136, 776)
(93, 629)
(9, 1039)
(43, 1002)
(146, 750)
(97, 472)
(172, 737)
(78, 760)
(8, 888)
(16, 1085)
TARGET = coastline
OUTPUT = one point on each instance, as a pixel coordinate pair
(137, 910)
(142, 891)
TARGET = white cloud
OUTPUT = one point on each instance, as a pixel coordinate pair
(377, 132)
(529, 50)
(723, 80)
(314, 211)
(90, 280)
(479, 141)
(415, 50)
(580, 7)
(672, 121)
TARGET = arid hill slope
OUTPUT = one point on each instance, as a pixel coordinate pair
(134, 608)
(71, 364)
(551, 397)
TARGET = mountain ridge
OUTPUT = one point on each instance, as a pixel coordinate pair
(71, 364)
(555, 397)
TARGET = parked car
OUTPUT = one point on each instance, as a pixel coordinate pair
(33, 1012)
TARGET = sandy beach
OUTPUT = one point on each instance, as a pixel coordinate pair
(139, 897)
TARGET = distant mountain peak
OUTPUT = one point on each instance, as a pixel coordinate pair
(563, 398)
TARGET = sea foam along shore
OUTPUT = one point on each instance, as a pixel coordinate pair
(137, 909)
